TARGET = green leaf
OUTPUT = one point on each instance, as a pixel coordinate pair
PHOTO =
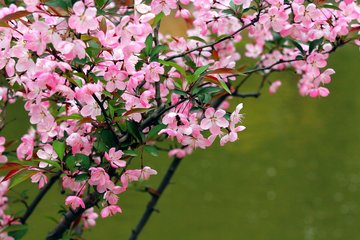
(156, 50)
(64, 4)
(78, 161)
(17, 231)
(104, 140)
(180, 92)
(154, 131)
(196, 38)
(20, 177)
(330, 6)
(191, 78)
(225, 87)
(152, 150)
(130, 153)
(81, 177)
(158, 18)
(50, 162)
(298, 46)
(175, 65)
(59, 148)
(134, 130)
(201, 70)
(149, 44)
(314, 44)
(207, 90)
(74, 116)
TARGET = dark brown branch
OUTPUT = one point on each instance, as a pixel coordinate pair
(211, 45)
(90, 201)
(155, 197)
(39, 197)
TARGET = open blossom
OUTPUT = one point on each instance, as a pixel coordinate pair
(89, 218)
(274, 18)
(39, 178)
(153, 72)
(84, 18)
(214, 120)
(146, 172)
(164, 6)
(47, 153)
(3, 159)
(110, 210)
(274, 86)
(74, 202)
(99, 178)
(114, 157)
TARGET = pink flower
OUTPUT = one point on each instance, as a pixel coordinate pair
(274, 18)
(274, 86)
(98, 178)
(39, 178)
(114, 158)
(84, 19)
(74, 202)
(146, 172)
(214, 120)
(244, 3)
(89, 217)
(319, 92)
(153, 70)
(47, 153)
(164, 6)
(110, 210)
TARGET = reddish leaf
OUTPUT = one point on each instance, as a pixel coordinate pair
(14, 16)
(208, 78)
(10, 174)
(136, 110)
(11, 166)
(223, 71)
(215, 54)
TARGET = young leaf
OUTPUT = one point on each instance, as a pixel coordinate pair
(175, 65)
(154, 131)
(201, 70)
(59, 148)
(148, 44)
(152, 150)
(225, 87)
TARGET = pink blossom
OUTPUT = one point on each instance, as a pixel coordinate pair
(114, 158)
(274, 18)
(274, 86)
(214, 120)
(153, 70)
(84, 18)
(110, 210)
(89, 217)
(74, 202)
(164, 6)
(39, 178)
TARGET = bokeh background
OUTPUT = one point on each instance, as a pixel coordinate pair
(293, 174)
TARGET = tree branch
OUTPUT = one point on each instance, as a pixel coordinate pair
(90, 201)
(155, 198)
(39, 197)
(210, 45)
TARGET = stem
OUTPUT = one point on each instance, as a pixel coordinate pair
(39, 197)
(154, 198)
(210, 45)
(90, 201)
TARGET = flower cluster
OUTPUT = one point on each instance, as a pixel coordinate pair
(101, 85)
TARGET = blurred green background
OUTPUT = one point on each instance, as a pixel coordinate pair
(294, 173)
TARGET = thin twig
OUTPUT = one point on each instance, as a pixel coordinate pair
(39, 197)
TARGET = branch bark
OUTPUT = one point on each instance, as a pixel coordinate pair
(155, 198)
(39, 197)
